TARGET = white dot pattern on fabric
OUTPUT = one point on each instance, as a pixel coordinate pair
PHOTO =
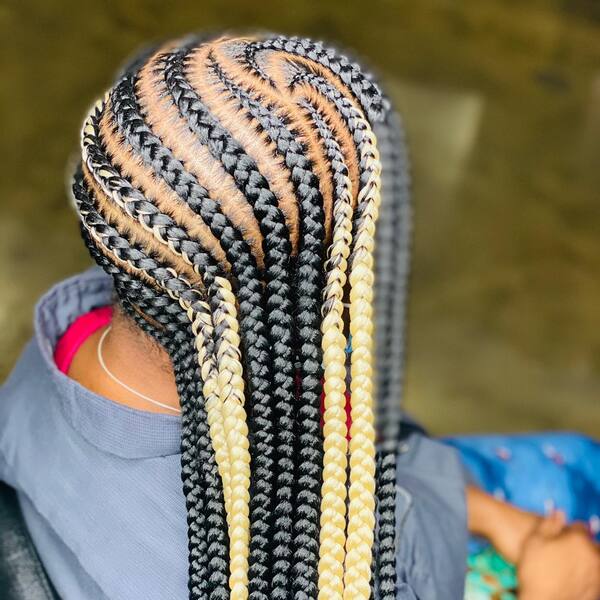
(549, 505)
(499, 494)
(503, 453)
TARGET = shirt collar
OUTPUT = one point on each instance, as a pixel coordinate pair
(108, 425)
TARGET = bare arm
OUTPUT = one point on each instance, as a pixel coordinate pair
(554, 561)
(503, 525)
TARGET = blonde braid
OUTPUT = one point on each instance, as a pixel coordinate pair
(202, 328)
(226, 388)
(231, 391)
(361, 507)
(333, 503)
(111, 184)
(228, 382)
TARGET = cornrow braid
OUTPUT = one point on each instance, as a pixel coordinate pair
(362, 444)
(384, 577)
(360, 83)
(243, 265)
(238, 551)
(256, 188)
(104, 239)
(393, 259)
(359, 541)
(308, 288)
(364, 441)
(334, 360)
(198, 579)
(209, 566)
(231, 188)
(260, 197)
(391, 306)
(390, 345)
(390, 136)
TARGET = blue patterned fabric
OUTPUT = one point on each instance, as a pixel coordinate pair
(538, 472)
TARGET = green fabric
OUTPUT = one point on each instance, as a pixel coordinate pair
(490, 577)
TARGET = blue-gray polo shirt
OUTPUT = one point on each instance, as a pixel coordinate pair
(100, 489)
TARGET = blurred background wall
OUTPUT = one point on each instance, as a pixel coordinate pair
(501, 99)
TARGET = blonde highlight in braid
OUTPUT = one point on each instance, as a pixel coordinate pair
(231, 392)
(361, 509)
(202, 328)
(231, 187)
(334, 342)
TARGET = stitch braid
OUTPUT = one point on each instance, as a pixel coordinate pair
(361, 508)
(360, 83)
(332, 541)
(308, 286)
(277, 250)
(108, 238)
(256, 188)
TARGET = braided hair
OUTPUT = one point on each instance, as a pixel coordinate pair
(231, 187)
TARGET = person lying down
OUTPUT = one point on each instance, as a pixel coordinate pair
(215, 413)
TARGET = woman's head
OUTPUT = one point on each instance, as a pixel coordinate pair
(231, 186)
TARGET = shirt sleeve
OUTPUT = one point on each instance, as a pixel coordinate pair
(431, 519)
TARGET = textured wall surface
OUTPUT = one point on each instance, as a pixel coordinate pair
(502, 103)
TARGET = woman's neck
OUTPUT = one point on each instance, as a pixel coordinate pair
(132, 358)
